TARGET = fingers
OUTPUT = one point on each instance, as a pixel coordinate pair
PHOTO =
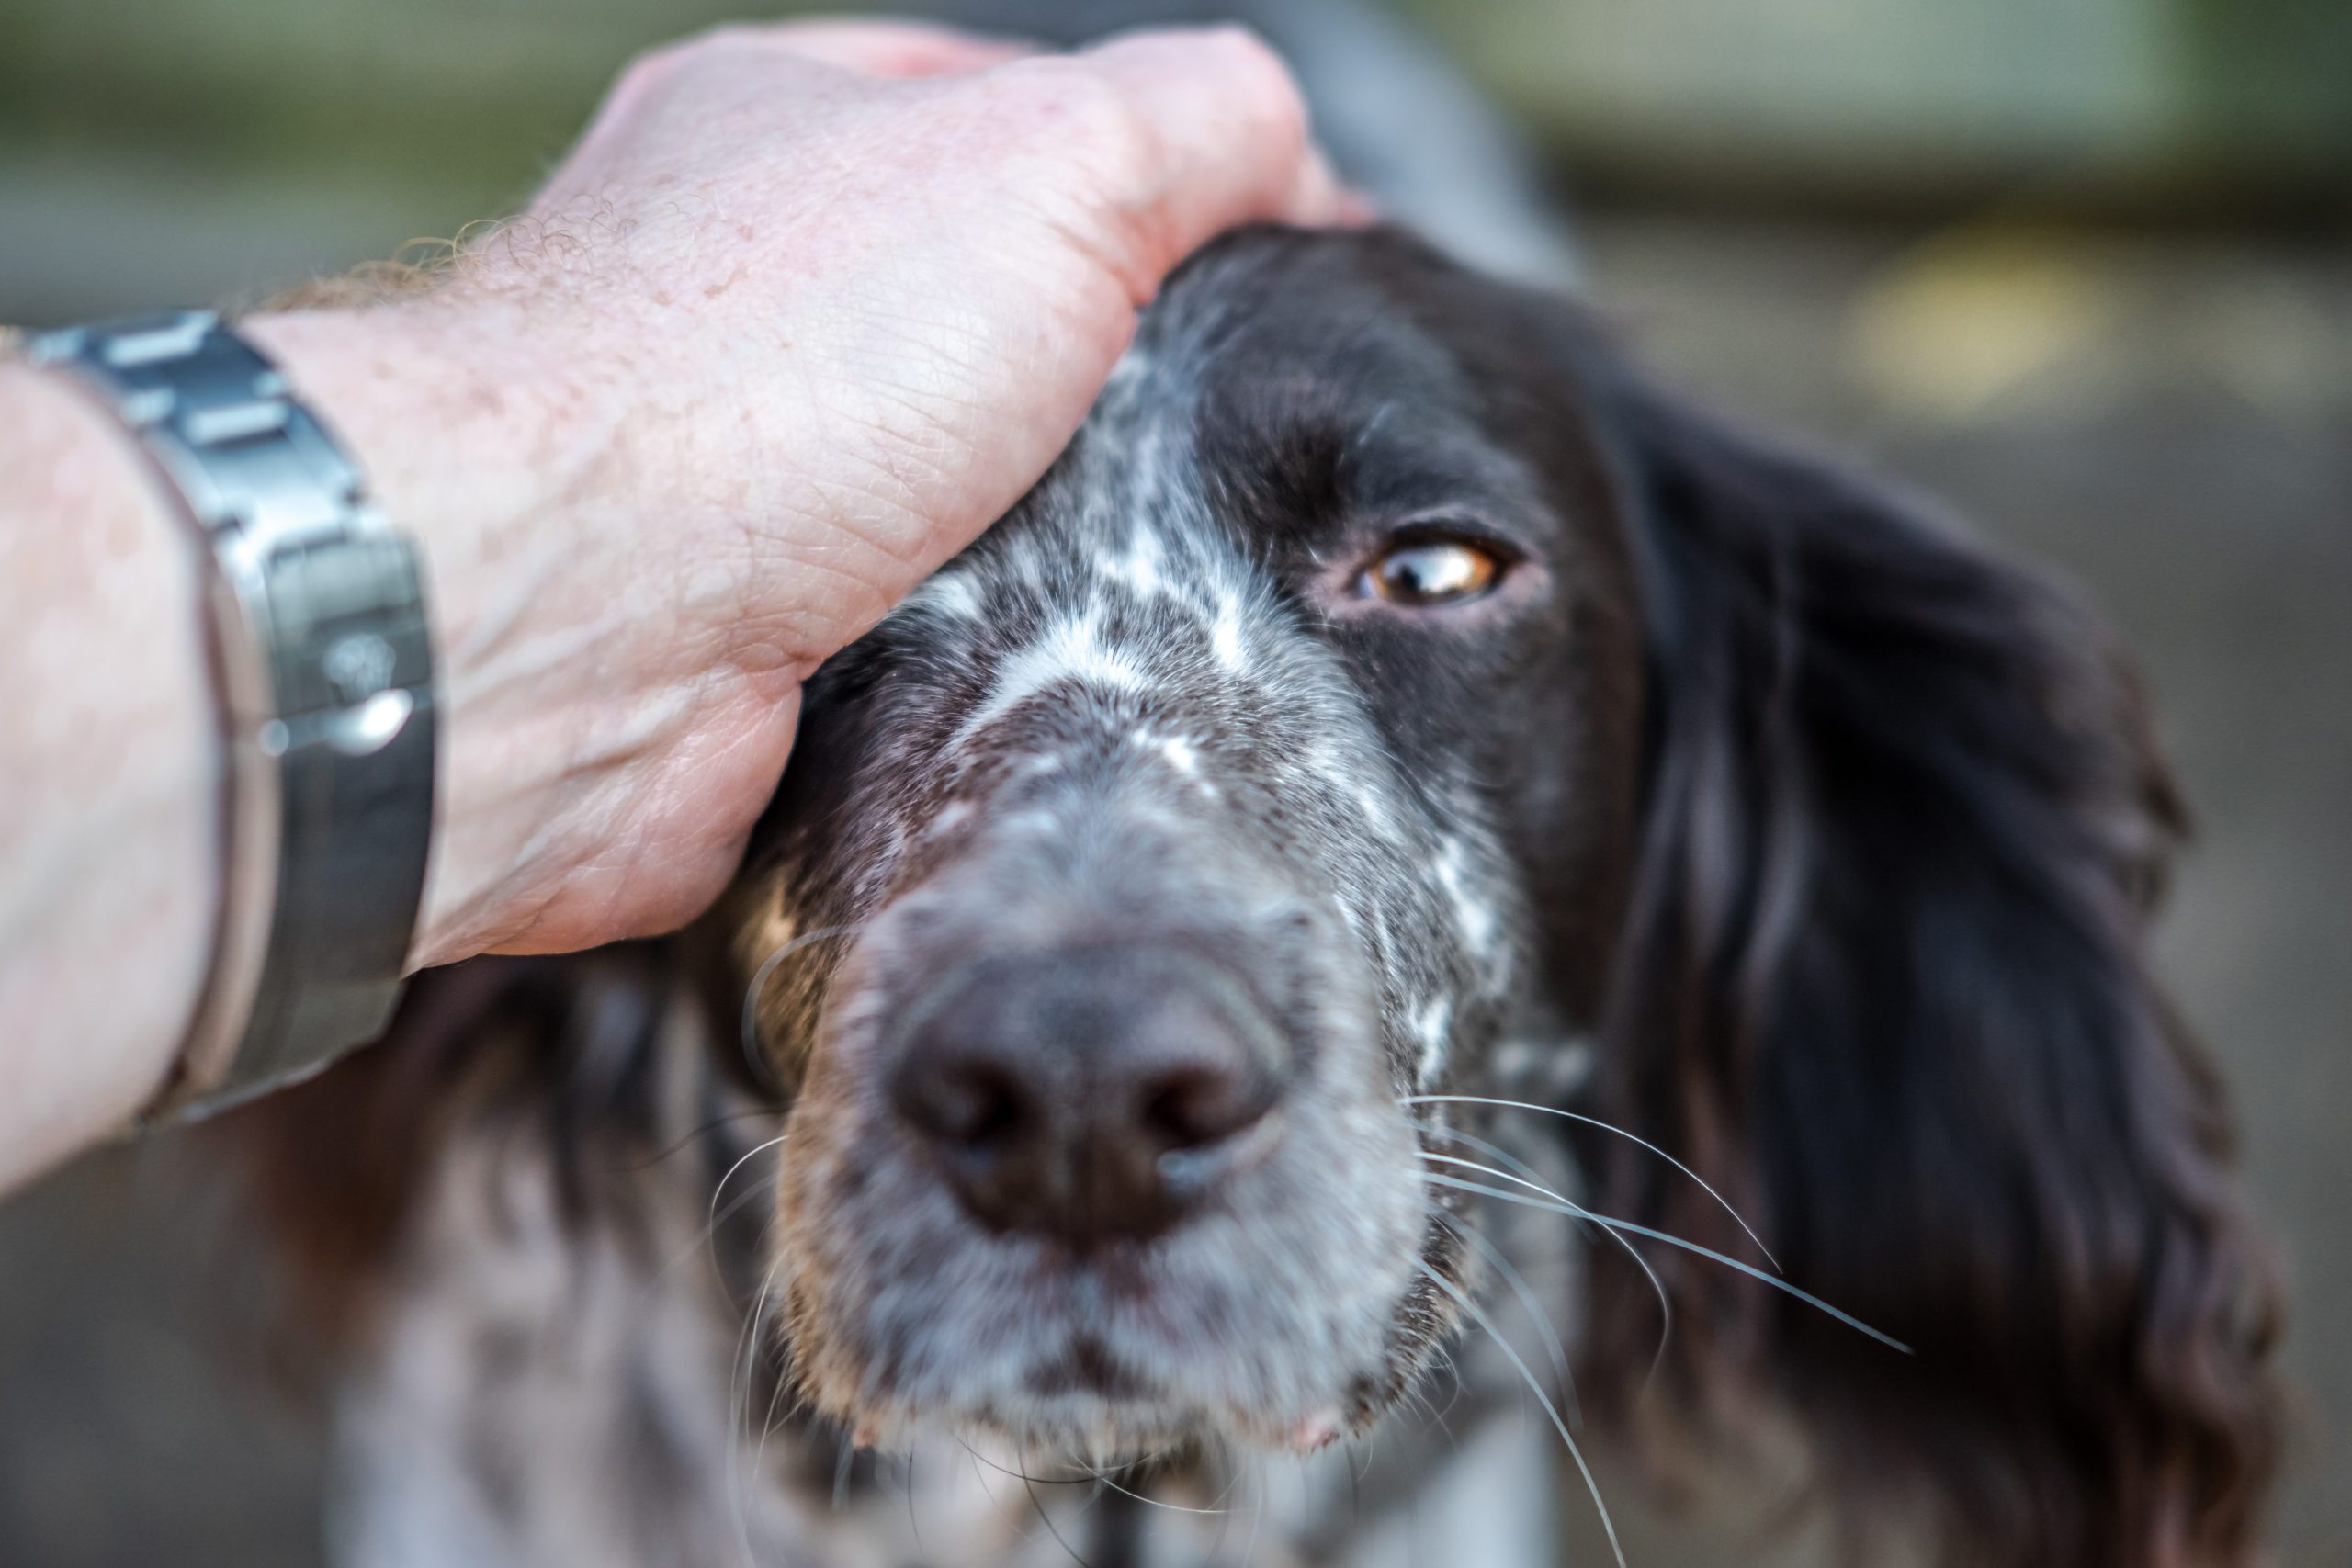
(1228, 131)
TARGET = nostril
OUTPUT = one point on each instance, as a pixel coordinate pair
(1087, 1093)
(968, 1104)
(1195, 1106)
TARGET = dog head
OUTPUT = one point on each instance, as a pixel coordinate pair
(1269, 767)
(1387, 698)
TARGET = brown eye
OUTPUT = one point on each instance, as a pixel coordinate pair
(1434, 571)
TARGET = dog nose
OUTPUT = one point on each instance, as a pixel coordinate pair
(1091, 1094)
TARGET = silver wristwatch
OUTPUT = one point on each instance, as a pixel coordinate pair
(325, 671)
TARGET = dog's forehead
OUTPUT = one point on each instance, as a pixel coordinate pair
(1121, 542)
(1265, 381)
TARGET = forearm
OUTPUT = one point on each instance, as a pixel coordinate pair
(564, 730)
(807, 309)
(109, 776)
(500, 467)
(111, 799)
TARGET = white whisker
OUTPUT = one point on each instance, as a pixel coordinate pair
(1610, 1128)
(1257, 1517)
(739, 1414)
(1471, 1309)
(1100, 1475)
(1658, 1286)
(1029, 1484)
(1527, 1301)
(710, 1226)
(768, 967)
(1524, 1169)
(1848, 1319)
(709, 1232)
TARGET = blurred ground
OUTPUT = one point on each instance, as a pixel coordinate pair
(2168, 418)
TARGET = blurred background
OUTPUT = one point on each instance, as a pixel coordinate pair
(2082, 266)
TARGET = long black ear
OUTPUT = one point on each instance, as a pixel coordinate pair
(1884, 979)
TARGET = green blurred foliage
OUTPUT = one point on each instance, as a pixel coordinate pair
(1877, 98)
(2274, 77)
(473, 96)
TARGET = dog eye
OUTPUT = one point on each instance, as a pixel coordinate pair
(1431, 571)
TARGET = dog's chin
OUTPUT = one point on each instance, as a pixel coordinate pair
(1196, 1341)
(1088, 1432)
(1082, 1405)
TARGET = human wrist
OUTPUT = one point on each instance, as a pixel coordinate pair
(109, 839)
(549, 511)
(468, 429)
(490, 456)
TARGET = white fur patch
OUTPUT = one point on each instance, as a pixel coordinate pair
(1141, 567)
(950, 594)
(1071, 651)
(1377, 815)
(1473, 919)
(948, 818)
(1226, 639)
(1433, 1027)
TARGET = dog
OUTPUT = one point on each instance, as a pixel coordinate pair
(1411, 862)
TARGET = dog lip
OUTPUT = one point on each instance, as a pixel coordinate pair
(1313, 1433)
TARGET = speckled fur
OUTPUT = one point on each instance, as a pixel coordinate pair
(1832, 831)
(1109, 716)
(1147, 705)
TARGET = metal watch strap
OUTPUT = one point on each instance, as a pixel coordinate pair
(324, 669)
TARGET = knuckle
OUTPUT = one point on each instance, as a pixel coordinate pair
(1079, 113)
(723, 41)
(1255, 64)
(644, 71)
(726, 38)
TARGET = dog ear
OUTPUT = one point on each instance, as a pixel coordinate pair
(1884, 980)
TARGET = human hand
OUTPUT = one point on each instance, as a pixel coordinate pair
(806, 309)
